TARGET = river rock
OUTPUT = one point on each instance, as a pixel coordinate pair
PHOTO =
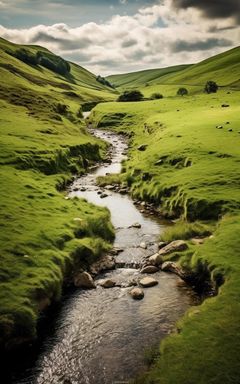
(174, 246)
(149, 269)
(110, 187)
(106, 263)
(170, 266)
(135, 225)
(148, 282)
(143, 245)
(137, 293)
(123, 191)
(103, 195)
(83, 280)
(156, 259)
(108, 283)
(161, 244)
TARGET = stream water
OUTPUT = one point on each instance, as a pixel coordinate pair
(101, 335)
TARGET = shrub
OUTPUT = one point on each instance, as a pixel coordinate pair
(182, 91)
(134, 95)
(156, 96)
(211, 87)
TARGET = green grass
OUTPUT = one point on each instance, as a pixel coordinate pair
(190, 169)
(186, 230)
(44, 236)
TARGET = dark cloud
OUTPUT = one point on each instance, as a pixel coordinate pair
(129, 43)
(215, 28)
(212, 8)
(182, 45)
(65, 44)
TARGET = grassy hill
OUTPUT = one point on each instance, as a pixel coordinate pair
(43, 235)
(223, 68)
(190, 170)
(140, 78)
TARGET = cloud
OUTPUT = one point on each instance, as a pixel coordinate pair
(182, 45)
(155, 36)
(129, 43)
(212, 8)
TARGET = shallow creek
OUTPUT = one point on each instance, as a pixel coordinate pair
(101, 335)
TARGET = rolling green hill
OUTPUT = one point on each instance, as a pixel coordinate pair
(223, 68)
(43, 141)
(140, 78)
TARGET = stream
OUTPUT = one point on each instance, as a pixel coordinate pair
(100, 336)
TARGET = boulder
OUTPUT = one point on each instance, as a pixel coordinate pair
(83, 280)
(174, 246)
(149, 269)
(148, 282)
(108, 283)
(155, 259)
(137, 293)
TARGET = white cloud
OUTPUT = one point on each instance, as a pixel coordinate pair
(155, 36)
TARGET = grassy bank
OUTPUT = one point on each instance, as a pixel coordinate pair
(44, 236)
(184, 156)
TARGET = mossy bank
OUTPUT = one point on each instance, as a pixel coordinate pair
(184, 156)
(44, 235)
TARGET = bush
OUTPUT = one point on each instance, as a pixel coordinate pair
(182, 91)
(156, 96)
(211, 87)
(53, 62)
(134, 95)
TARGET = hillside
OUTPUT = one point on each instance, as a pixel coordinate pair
(223, 69)
(141, 78)
(43, 143)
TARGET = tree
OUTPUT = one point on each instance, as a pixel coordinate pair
(156, 96)
(211, 87)
(134, 95)
(182, 91)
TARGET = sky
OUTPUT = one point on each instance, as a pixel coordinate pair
(118, 36)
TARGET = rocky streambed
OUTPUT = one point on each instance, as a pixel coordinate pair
(101, 334)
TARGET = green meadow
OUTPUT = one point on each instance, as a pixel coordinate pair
(44, 236)
(184, 156)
